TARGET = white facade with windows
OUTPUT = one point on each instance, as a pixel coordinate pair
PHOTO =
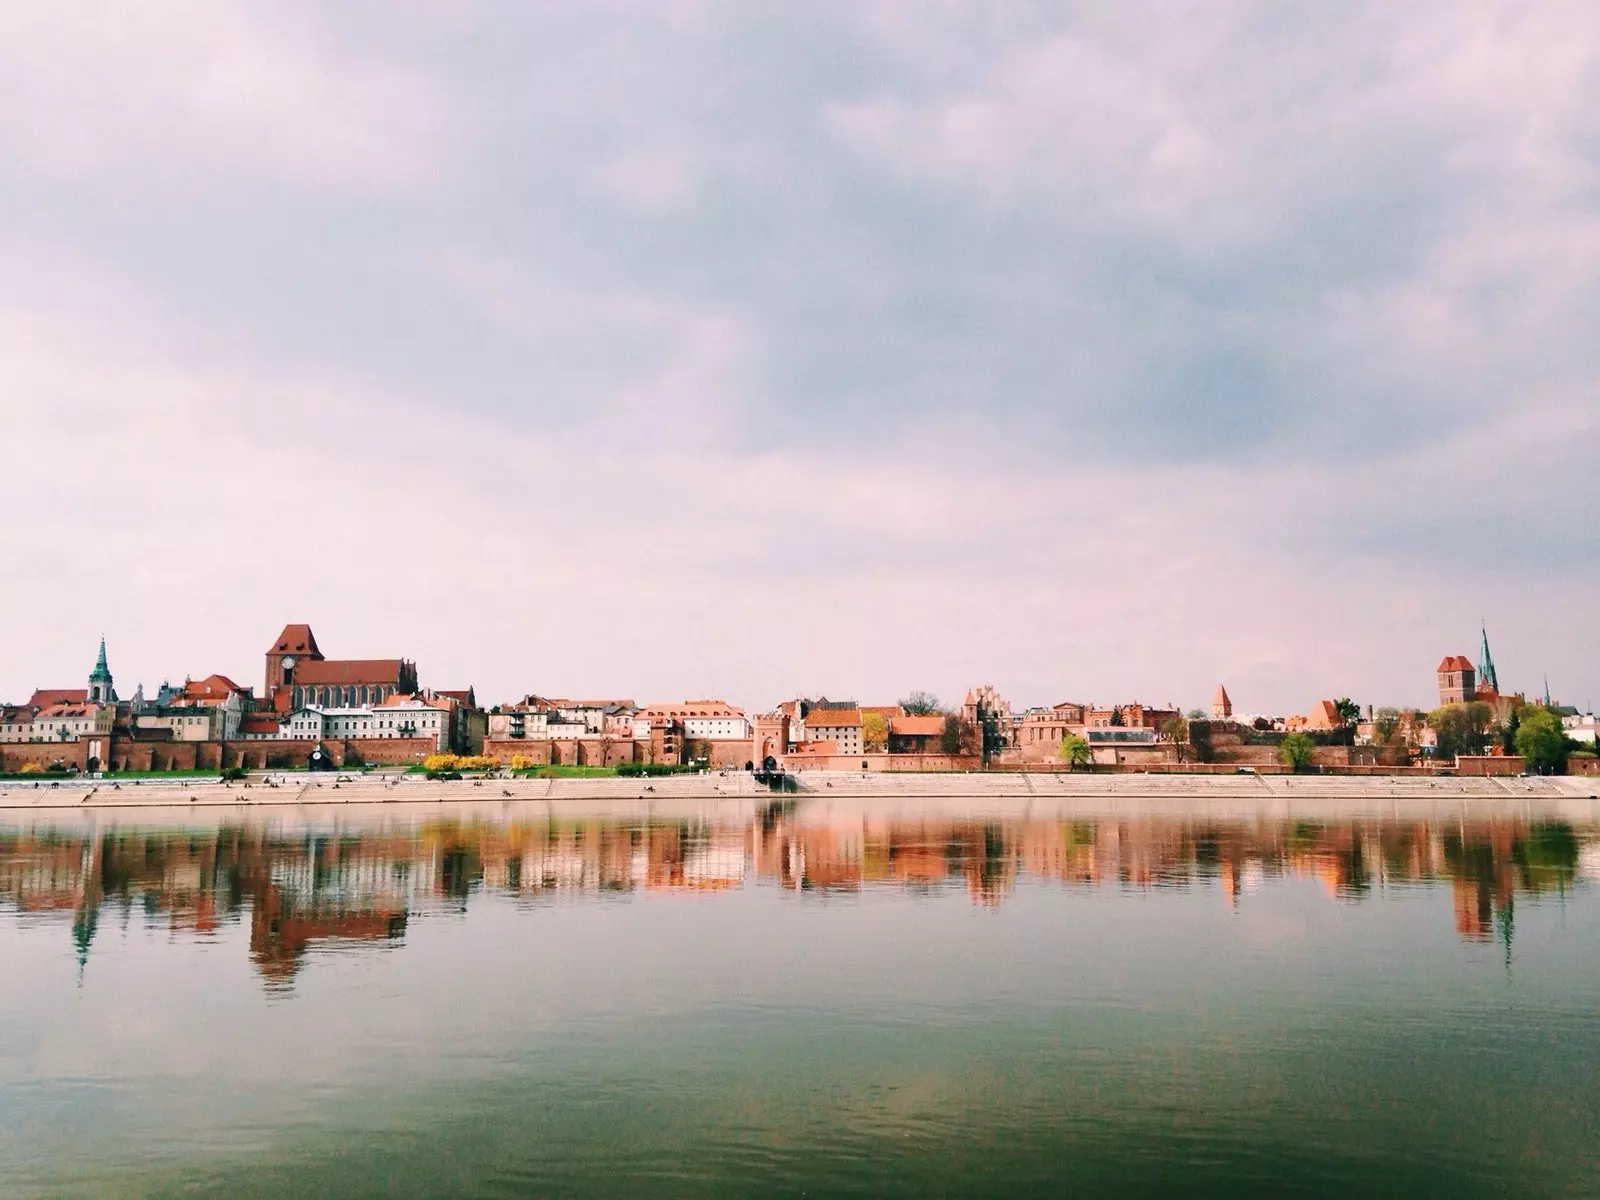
(820, 726)
(407, 719)
(61, 723)
(735, 728)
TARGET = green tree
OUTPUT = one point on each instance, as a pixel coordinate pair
(921, 704)
(959, 737)
(1384, 724)
(1295, 751)
(1075, 751)
(1349, 711)
(874, 732)
(1542, 741)
(1175, 729)
(1461, 728)
(1116, 716)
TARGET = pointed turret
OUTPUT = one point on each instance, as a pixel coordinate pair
(1486, 675)
(101, 690)
(1221, 705)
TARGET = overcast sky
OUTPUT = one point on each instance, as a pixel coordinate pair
(1098, 351)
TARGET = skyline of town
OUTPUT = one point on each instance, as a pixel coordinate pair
(1535, 685)
(320, 711)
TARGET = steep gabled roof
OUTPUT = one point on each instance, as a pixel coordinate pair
(295, 639)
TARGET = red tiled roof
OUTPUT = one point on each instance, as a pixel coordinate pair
(1455, 662)
(403, 700)
(69, 710)
(50, 697)
(295, 639)
(889, 712)
(212, 687)
(348, 670)
(259, 725)
(917, 726)
(691, 708)
(830, 718)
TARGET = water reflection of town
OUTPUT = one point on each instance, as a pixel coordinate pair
(299, 888)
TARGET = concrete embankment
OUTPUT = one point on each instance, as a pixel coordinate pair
(1000, 794)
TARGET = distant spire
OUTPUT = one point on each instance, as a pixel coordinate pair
(1486, 673)
(1547, 703)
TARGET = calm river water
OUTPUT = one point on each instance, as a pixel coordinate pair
(717, 1002)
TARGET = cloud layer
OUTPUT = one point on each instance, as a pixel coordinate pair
(1101, 353)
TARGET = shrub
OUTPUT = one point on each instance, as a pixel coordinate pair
(231, 773)
(1295, 751)
(634, 770)
(460, 762)
(438, 774)
(30, 768)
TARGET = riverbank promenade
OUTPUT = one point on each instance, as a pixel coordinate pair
(1000, 792)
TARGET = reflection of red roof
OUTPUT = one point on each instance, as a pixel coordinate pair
(350, 670)
(50, 697)
(295, 639)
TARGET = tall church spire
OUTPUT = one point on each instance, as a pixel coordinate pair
(101, 690)
(1486, 675)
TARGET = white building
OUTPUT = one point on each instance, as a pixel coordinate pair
(734, 727)
(401, 717)
(842, 726)
(60, 723)
(414, 717)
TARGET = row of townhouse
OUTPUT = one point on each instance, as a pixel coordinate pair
(442, 720)
(675, 731)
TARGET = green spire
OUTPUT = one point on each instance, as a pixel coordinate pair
(101, 670)
(1486, 673)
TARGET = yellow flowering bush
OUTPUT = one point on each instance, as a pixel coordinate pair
(460, 762)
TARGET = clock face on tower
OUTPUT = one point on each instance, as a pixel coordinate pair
(288, 662)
